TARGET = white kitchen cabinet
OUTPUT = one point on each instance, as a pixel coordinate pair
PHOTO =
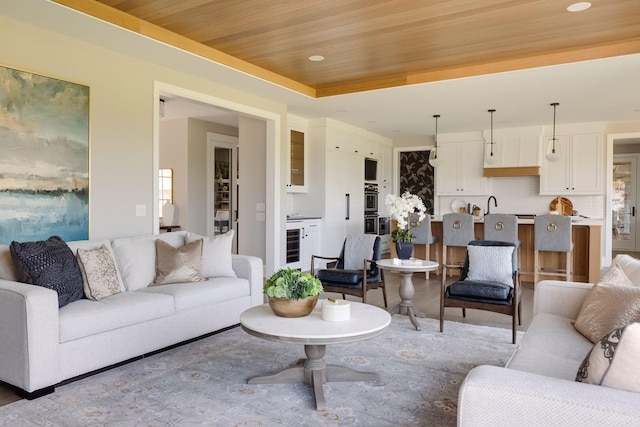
(385, 172)
(344, 199)
(303, 240)
(579, 170)
(298, 160)
(461, 170)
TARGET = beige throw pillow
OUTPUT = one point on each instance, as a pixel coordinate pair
(216, 254)
(613, 361)
(609, 305)
(99, 276)
(178, 265)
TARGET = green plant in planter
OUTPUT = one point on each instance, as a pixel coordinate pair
(292, 284)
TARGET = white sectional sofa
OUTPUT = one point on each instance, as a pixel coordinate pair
(537, 387)
(42, 345)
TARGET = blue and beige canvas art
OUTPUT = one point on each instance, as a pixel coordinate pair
(44, 158)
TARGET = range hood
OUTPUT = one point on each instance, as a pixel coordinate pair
(512, 171)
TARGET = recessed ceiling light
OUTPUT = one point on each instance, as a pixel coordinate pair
(316, 58)
(579, 7)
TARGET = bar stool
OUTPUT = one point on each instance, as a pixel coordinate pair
(502, 228)
(552, 233)
(422, 236)
(457, 231)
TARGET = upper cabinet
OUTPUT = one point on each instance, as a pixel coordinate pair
(461, 169)
(580, 168)
(298, 157)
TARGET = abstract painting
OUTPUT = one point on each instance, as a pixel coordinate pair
(44, 157)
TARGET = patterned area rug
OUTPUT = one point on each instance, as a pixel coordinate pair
(204, 383)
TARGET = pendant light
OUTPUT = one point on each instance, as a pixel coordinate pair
(553, 154)
(490, 157)
(434, 159)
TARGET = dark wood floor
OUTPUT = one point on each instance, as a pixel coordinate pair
(426, 299)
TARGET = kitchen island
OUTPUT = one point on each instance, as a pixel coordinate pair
(586, 234)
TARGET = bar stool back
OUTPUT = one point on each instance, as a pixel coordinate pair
(457, 231)
(502, 228)
(552, 233)
(422, 236)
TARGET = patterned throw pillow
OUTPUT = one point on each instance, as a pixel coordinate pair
(98, 270)
(178, 265)
(609, 305)
(49, 263)
(612, 362)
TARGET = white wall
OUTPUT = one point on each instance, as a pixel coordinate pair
(173, 155)
(122, 173)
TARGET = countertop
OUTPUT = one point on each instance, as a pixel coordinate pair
(575, 220)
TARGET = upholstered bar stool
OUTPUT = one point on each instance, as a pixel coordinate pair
(457, 231)
(502, 228)
(422, 236)
(552, 233)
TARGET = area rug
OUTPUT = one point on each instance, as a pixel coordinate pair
(204, 383)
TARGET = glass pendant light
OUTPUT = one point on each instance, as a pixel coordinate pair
(434, 159)
(490, 157)
(553, 154)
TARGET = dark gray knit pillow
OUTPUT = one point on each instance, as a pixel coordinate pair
(49, 263)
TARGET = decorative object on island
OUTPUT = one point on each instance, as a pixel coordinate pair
(476, 210)
(433, 155)
(401, 208)
(292, 293)
(490, 158)
(552, 154)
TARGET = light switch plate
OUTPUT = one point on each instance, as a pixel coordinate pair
(141, 210)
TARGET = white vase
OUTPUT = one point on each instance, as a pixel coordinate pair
(167, 214)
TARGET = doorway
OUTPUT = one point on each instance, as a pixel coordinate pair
(222, 186)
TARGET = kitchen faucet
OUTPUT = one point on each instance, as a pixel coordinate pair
(495, 202)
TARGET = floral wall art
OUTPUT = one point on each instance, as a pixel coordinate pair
(416, 176)
(44, 157)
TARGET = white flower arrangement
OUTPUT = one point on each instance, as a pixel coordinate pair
(400, 209)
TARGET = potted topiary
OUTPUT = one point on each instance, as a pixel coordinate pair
(476, 210)
(292, 293)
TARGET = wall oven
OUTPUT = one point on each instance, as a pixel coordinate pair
(383, 226)
(371, 223)
(371, 199)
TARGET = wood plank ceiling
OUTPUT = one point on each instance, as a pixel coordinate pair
(372, 44)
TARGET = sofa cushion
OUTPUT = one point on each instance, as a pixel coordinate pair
(216, 254)
(551, 347)
(136, 257)
(95, 244)
(99, 276)
(613, 361)
(214, 290)
(178, 265)
(7, 269)
(84, 318)
(50, 264)
(491, 263)
(608, 307)
(630, 266)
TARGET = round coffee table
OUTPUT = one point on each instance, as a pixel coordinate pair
(406, 268)
(315, 334)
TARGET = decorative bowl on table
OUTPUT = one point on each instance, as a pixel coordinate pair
(285, 307)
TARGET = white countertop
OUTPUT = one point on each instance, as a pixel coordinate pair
(575, 220)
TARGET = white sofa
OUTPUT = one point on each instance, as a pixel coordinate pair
(537, 387)
(42, 345)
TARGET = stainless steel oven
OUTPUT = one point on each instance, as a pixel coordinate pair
(383, 225)
(371, 199)
(371, 223)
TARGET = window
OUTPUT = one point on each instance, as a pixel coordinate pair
(165, 187)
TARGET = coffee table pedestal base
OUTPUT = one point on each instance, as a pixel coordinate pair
(315, 372)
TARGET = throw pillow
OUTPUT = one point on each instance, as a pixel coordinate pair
(608, 307)
(216, 254)
(615, 276)
(491, 263)
(612, 362)
(178, 265)
(49, 263)
(98, 270)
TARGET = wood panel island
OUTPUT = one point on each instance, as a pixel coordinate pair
(586, 234)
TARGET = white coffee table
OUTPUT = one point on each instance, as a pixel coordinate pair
(315, 334)
(406, 268)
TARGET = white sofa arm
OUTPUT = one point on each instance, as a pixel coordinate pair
(494, 396)
(562, 298)
(29, 336)
(250, 268)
